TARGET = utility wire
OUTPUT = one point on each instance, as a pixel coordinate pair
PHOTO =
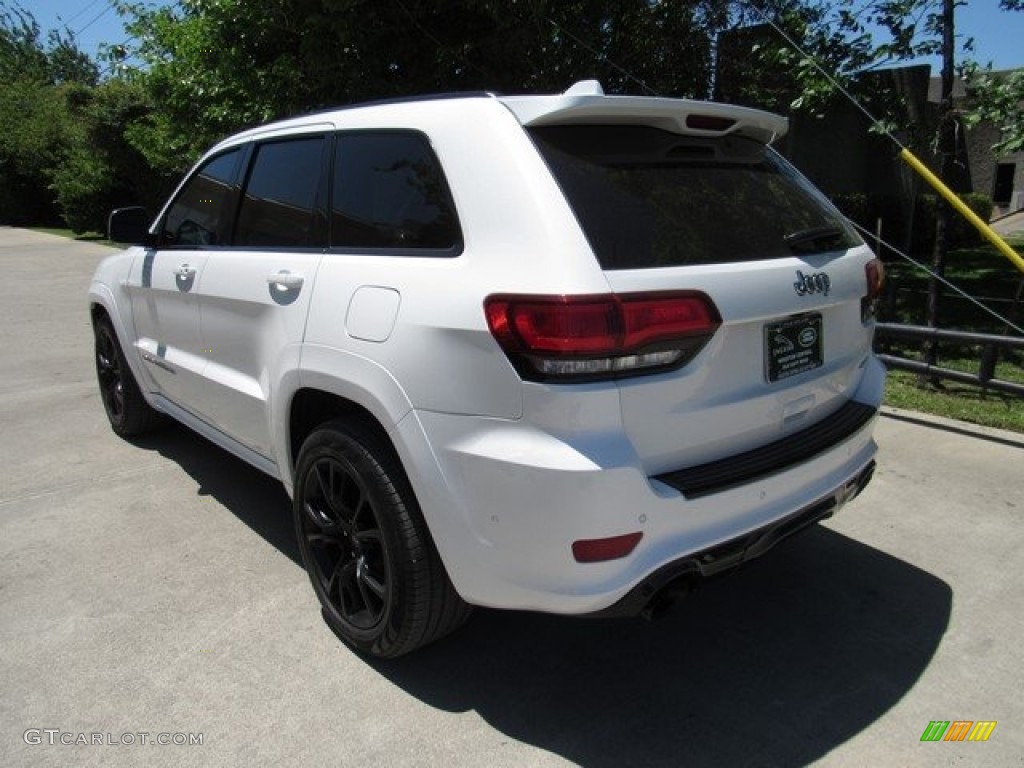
(871, 236)
(879, 126)
(96, 18)
(602, 57)
(81, 11)
(824, 73)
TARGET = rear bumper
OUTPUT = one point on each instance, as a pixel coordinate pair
(505, 501)
(680, 576)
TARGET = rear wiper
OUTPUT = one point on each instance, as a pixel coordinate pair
(815, 238)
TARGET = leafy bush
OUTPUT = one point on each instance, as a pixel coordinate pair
(36, 128)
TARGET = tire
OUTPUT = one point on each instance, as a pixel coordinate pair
(127, 410)
(380, 582)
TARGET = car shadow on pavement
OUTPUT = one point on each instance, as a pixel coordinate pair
(776, 664)
(256, 499)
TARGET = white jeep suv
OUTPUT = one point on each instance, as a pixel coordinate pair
(566, 353)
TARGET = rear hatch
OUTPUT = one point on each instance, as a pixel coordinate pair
(694, 202)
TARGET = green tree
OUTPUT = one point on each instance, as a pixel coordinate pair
(32, 140)
(100, 169)
(213, 66)
(24, 55)
(838, 43)
(35, 127)
(998, 98)
(21, 53)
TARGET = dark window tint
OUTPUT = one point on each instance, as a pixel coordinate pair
(196, 216)
(649, 198)
(280, 197)
(390, 192)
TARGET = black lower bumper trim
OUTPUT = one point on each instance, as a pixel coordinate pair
(684, 574)
(723, 474)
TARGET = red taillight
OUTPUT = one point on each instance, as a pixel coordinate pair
(649, 320)
(874, 273)
(600, 550)
(559, 325)
(604, 336)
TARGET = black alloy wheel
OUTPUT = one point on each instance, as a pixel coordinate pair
(380, 582)
(127, 410)
(108, 372)
(347, 555)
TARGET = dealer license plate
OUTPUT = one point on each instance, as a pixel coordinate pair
(793, 346)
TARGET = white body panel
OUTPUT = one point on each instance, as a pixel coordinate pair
(508, 473)
(722, 405)
(165, 308)
(250, 325)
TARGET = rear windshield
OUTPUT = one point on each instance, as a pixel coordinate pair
(649, 198)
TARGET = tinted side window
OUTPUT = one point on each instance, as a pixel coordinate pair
(196, 217)
(389, 192)
(280, 199)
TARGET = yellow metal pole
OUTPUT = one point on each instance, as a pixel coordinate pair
(987, 232)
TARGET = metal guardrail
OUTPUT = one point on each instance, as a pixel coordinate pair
(986, 369)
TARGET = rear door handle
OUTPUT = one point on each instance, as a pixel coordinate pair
(286, 279)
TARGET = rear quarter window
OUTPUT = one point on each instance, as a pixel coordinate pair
(648, 198)
(390, 192)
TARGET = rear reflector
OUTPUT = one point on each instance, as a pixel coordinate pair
(600, 550)
(602, 336)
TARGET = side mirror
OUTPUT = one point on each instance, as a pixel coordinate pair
(129, 225)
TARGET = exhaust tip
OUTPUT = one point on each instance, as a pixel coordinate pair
(665, 598)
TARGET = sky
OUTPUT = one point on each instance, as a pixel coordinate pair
(998, 35)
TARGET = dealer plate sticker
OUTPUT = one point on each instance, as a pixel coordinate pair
(793, 346)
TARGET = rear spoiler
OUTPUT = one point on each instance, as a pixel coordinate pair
(585, 103)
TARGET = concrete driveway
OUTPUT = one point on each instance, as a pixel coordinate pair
(1009, 225)
(151, 591)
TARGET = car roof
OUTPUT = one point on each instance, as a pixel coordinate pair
(583, 103)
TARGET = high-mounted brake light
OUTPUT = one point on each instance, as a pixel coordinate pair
(709, 123)
(603, 336)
